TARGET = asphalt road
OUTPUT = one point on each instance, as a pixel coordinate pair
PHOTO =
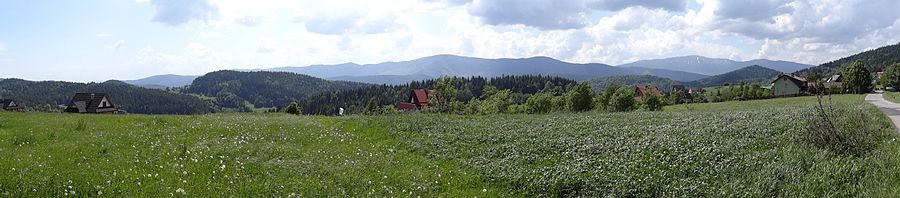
(892, 110)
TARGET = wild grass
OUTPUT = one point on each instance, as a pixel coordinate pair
(892, 96)
(743, 149)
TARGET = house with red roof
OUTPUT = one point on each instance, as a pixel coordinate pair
(418, 99)
(640, 92)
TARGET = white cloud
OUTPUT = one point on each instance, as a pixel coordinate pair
(249, 20)
(211, 35)
(177, 12)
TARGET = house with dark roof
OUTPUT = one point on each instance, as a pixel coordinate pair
(788, 85)
(9, 105)
(91, 103)
(418, 99)
(684, 93)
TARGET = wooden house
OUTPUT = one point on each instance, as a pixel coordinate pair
(788, 85)
(418, 99)
(91, 103)
(9, 105)
(640, 92)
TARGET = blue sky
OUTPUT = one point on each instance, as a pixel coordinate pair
(98, 40)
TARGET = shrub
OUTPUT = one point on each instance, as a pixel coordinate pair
(580, 98)
(846, 130)
(539, 103)
(622, 101)
(293, 108)
(651, 102)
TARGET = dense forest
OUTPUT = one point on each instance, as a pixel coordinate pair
(245, 90)
(663, 84)
(469, 88)
(875, 60)
(750, 74)
(49, 95)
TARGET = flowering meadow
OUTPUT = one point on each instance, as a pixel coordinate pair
(745, 149)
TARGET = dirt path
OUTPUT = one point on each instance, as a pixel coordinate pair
(892, 110)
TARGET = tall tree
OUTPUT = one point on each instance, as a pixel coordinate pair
(579, 98)
(857, 77)
(445, 92)
(891, 76)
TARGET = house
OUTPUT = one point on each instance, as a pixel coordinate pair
(9, 105)
(640, 92)
(684, 94)
(418, 99)
(834, 82)
(91, 103)
(788, 85)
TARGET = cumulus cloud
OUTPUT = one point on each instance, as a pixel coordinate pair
(616, 5)
(266, 46)
(753, 10)
(337, 24)
(177, 12)
(542, 14)
(249, 20)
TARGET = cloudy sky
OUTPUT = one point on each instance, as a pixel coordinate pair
(96, 40)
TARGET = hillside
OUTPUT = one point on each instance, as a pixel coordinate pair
(874, 59)
(749, 74)
(449, 65)
(664, 84)
(713, 66)
(233, 89)
(134, 99)
(355, 100)
(383, 79)
(745, 149)
(163, 81)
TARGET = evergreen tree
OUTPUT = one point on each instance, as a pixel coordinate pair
(293, 108)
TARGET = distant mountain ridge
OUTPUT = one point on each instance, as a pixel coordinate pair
(451, 65)
(235, 89)
(874, 59)
(162, 81)
(713, 66)
(749, 74)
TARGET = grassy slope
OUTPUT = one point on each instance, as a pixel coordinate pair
(892, 96)
(734, 148)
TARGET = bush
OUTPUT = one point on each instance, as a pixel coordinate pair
(293, 108)
(580, 98)
(622, 101)
(651, 102)
(539, 103)
(847, 130)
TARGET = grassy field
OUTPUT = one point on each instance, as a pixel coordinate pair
(892, 96)
(745, 149)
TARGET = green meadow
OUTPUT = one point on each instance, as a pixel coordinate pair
(743, 149)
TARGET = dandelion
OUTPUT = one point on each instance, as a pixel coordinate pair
(180, 191)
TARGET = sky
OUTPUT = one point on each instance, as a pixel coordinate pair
(98, 40)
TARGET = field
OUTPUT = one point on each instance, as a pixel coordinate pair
(745, 149)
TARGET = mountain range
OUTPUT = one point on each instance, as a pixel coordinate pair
(683, 69)
(713, 66)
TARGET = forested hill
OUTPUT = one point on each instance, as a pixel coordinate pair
(234, 89)
(38, 95)
(750, 74)
(354, 101)
(874, 59)
(664, 84)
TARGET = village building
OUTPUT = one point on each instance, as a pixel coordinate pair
(91, 103)
(9, 105)
(684, 94)
(418, 99)
(788, 85)
(640, 92)
(834, 82)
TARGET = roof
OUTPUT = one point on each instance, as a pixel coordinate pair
(835, 78)
(799, 81)
(679, 88)
(6, 103)
(419, 97)
(89, 103)
(406, 106)
(642, 91)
